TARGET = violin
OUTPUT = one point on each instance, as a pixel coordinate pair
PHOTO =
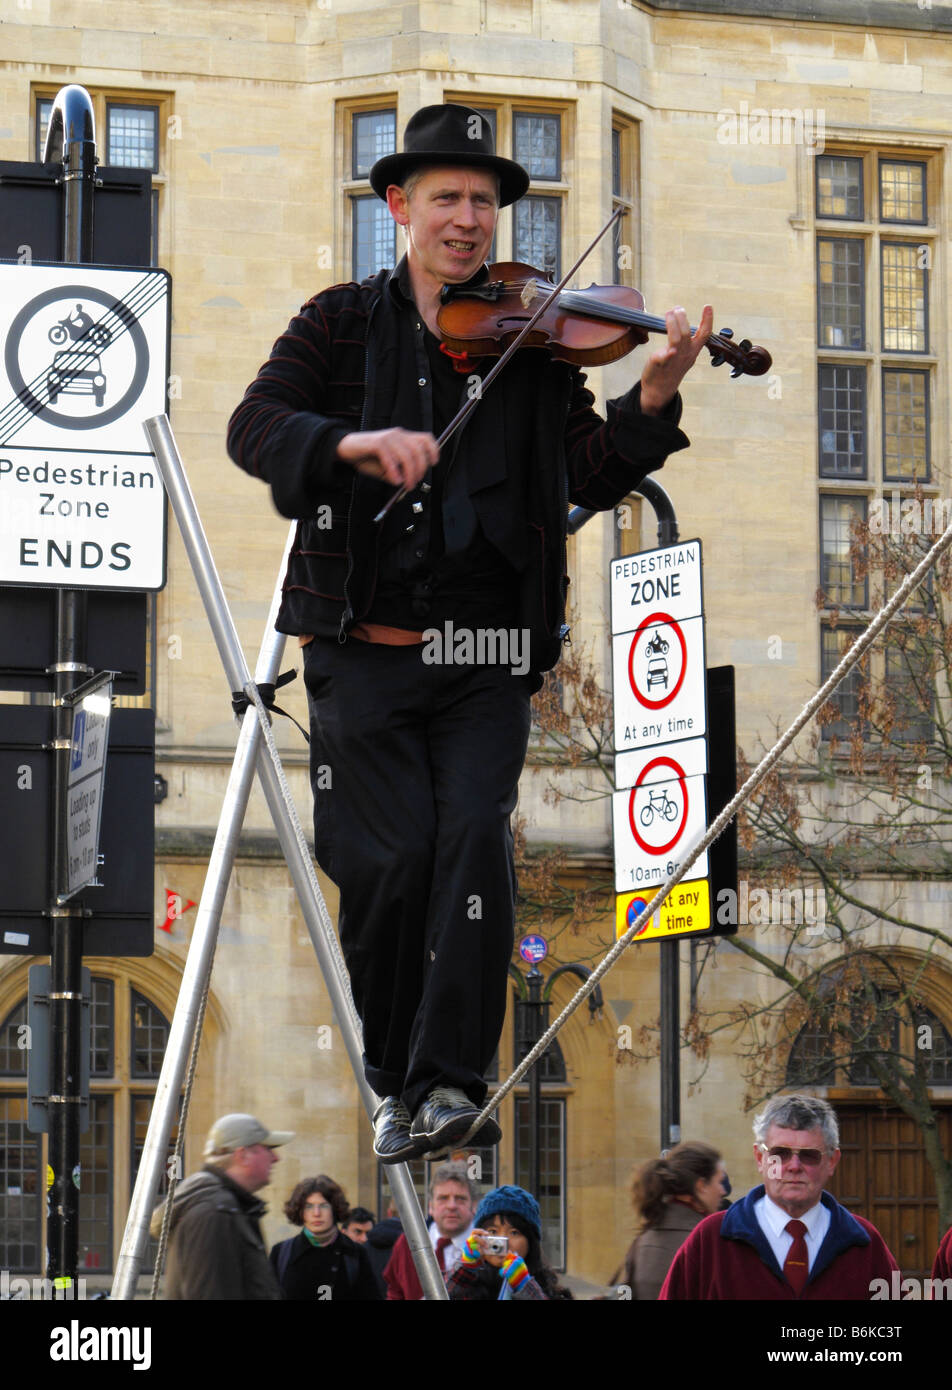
(514, 309)
(587, 327)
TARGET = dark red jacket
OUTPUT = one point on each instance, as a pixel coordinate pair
(942, 1268)
(728, 1257)
(400, 1276)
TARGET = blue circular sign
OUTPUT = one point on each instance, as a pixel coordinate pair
(635, 908)
(533, 949)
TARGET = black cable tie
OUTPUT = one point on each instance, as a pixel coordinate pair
(240, 702)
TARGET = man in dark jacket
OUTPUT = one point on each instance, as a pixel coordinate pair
(216, 1250)
(380, 1243)
(787, 1239)
(425, 634)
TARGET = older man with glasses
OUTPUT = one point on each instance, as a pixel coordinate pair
(788, 1238)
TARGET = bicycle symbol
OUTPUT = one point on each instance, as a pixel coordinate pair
(659, 804)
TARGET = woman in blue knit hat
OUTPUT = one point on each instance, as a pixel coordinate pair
(521, 1273)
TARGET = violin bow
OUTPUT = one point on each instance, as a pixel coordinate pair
(470, 405)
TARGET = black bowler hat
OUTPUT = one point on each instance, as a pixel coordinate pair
(449, 135)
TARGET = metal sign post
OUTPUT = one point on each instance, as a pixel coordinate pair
(72, 138)
(74, 361)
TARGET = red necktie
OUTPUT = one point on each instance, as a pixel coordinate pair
(796, 1266)
(441, 1244)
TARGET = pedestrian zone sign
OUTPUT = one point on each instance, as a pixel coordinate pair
(659, 809)
(84, 362)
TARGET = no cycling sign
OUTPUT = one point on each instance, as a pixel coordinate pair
(84, 362)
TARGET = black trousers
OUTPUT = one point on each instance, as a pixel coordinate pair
(415, 771)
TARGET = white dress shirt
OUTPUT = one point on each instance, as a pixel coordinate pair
(772, 1219)
(452, 1254)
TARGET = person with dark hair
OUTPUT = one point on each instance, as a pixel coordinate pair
(357, 1224)
(671, 1195)
(380, 1243)
(521, 1273)
(321, 1263)
(788, 1238)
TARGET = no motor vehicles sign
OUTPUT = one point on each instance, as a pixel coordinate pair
(85, 361)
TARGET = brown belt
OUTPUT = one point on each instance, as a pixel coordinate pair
(376, 632)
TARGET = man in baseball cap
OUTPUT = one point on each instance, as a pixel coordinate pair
(234, 1132)
(216, 1250)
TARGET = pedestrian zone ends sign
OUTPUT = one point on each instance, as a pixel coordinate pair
(84, 362)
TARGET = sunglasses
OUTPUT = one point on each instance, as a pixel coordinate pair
(810, 1158)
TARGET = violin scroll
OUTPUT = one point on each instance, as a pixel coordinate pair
(745, 359)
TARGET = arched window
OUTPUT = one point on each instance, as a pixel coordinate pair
(822, 1056)
(20, 1153)
(128, 1033)
(553, 1101)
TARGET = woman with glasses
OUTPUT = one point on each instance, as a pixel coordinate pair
(322, 1263)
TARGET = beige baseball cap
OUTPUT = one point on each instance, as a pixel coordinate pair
(240, 1132)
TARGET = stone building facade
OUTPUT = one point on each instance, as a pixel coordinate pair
(771, 158)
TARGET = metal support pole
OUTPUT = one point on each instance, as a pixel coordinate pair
(670, 963)
(654, 493)
(670, 1045)
(286, 824)
(70, 139)
(198, 964)
(534, 1011)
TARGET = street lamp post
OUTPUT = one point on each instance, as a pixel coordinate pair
(537, 1020)
(532, 1020)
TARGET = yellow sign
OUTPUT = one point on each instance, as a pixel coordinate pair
(49, 1177)
(686, 909)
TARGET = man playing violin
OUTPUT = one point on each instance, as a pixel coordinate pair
(417, 747)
